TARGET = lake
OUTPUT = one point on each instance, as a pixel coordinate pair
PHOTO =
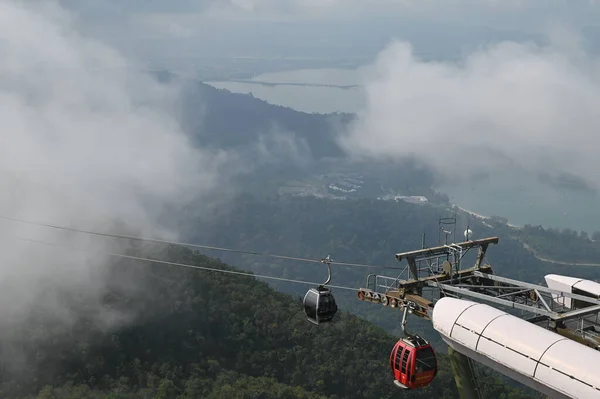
(521, 200)
(293, 89)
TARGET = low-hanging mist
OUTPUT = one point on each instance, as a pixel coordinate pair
(510, 106)
(90, 142)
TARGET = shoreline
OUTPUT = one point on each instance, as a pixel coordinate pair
(483, 218)
(526, 246)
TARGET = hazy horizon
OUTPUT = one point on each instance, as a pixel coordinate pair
(193, 30)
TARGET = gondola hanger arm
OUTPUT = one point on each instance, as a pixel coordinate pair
(327, 261)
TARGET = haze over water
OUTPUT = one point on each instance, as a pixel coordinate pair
(321, 99)
(523, 200)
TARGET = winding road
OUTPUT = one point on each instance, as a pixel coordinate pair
(557, 262)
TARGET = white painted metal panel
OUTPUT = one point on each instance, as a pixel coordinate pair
(465, 336)
(514, 347)
(478, 317)
(516, 343)
(560, 382)
(446, 311)
(509, 372)
(561, 283)
(472, 322)
(565, 281)
(507, 357)
(521, 336)
(576, 360)
(588, 286)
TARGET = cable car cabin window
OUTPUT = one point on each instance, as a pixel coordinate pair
(310, 304)
(326, 305)
(397, 358)
(425, 360)
(404, 360)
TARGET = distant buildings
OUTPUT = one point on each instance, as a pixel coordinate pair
(413, 199)
(343, 186)
(346, 184)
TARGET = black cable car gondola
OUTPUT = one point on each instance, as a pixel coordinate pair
(319, 304)
(413, 362)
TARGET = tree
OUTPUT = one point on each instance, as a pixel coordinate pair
(166, 390)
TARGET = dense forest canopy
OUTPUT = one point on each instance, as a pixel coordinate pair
(208, 335)
(355, 230)
(564, 245)
(359, 230)
(254, 118)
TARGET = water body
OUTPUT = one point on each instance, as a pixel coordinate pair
(307, 90)
(522, 200)
(525, 200)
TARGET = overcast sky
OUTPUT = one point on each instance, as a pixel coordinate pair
(239, 27)
(341, 9)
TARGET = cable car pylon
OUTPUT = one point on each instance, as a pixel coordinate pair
(566, 311)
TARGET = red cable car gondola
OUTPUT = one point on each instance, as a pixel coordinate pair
(413, 363)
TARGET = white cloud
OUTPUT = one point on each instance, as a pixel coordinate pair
(509, 105)
(86, 140)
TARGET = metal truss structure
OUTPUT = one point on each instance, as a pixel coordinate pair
(438, 272)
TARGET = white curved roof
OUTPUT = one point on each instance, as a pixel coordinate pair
(588, 286)
(567, 283)
(539, 354)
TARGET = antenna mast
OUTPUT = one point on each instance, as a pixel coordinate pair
(446, 221)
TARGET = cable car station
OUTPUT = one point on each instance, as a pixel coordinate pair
(568, 309)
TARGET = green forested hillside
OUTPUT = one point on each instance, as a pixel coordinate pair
(354, 230)
(563, 245)
(206, 113)
(204, 334)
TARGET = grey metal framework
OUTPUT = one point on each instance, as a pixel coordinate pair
(432, 273)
